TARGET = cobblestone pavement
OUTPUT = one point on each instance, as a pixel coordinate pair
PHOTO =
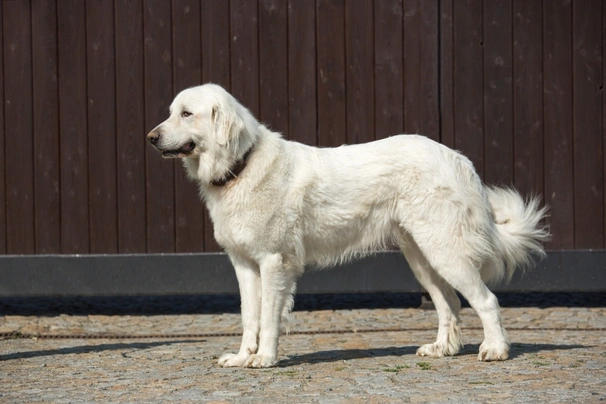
(330, 356)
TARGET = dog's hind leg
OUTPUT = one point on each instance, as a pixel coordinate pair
(468, 282)
(249, 281)
(445, 299)
(460, 272)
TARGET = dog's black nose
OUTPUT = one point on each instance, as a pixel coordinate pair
(153, 137)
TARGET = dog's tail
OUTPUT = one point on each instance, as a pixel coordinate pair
(519, 230)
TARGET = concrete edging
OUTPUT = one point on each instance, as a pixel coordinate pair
(212, 273)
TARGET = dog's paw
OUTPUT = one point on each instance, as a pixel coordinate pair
(261, 361)
(435, 350)
(229, 360)
(493, 351)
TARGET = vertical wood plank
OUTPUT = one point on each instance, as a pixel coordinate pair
(588, 112)
(46, 128)
(130, 126)
(468, 87)
(187, 72)
(557, 112)
(18, 113)
(528, 96)
(330, 47)
(216, 43)
(72, 120)
(446, 61)
(389, 69)
(273, 64)
(158, 90)
(216, 68)
(101, 88)
(421, 47)
(187, 44)
(244, 26)
(359, 54)
(2, 151)
(302, 113)
(498, 92)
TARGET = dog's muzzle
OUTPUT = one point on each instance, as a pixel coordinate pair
(154, 137)
(185, 150)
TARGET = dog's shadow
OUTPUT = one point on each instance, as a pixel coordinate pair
(86, 349)
(337, 355)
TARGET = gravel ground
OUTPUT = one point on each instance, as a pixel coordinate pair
(344, 353)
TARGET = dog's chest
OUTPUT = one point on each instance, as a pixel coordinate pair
(245, 224)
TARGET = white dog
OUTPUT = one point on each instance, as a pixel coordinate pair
(278, 206)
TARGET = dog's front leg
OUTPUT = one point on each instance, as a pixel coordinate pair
(249, 281)
(278, 285)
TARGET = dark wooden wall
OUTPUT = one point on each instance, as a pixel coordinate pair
(517, 85)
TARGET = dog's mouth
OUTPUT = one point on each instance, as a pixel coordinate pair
(182, 151)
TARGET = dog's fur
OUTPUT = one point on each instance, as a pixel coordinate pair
(294, 205)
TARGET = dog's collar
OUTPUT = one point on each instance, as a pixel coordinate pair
(234, 171)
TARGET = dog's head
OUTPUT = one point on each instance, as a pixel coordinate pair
(201, 117)
(208, 124)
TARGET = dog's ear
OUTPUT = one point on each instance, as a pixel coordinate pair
(227, 125)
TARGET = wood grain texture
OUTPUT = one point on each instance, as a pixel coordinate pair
(18, 141)
(273, 64)
(158, 89)
(102, 139)
(498, 92)
(47, 175)
(302, 109)
(588, 111)
(332, 104)
(216, 42)
(421, 91)
(389, 69)
(73, 125)
(468, 91)
(187, 72)
(528, 96)
(557, 112)
(244, 27)
(516, 85)
(359, 55)
(446, 61)
(131, 140)
(216, 68)
(3, 235)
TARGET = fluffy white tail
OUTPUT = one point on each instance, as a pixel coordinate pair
(520, 233)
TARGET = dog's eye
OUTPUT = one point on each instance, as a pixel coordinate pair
(185, 114)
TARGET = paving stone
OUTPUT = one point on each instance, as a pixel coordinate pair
(558, 355)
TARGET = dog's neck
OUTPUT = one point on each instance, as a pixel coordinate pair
(234, 170)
